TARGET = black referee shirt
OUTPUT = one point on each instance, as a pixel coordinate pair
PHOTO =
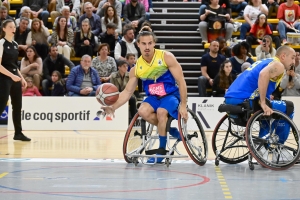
(9, 54)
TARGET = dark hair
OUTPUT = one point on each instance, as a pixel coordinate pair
(128, 55)
(24, 18)
(111, 25)
(146, 23)
(146, 33)
(103, 45)
(257, 20)
(236, 50)
(60, 79)
(225, 81)
(127, 28)
(51, 46)
(58, 27)
(116, 19)
(121, 62)
(4, 24)
(36, 55)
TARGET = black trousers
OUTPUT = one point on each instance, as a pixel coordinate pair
(14, 89)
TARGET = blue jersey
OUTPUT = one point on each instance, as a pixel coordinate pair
(245, 85)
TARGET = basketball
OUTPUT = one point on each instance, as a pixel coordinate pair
(107, 94)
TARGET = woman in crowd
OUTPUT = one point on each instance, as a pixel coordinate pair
(110, 16)
(84, 40)
(37, 37)
(71, 20)
(24, 12)
(212, 16)
(265, 49)
(63, 38)
(251, 12)
(290, 83)
(103, 63)
(240, 57)
(32, 66)
(223, 80)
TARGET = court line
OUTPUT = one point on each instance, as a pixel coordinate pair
(5, 136)
(222, 181)
(3, 174)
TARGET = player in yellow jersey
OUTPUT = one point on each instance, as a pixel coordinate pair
(159, 71)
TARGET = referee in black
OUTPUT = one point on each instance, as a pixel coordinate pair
(11, 80)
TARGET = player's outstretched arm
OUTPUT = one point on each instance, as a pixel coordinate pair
(177, 73)
(125, 94)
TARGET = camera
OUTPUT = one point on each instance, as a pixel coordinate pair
(264, 42)
(292, 68)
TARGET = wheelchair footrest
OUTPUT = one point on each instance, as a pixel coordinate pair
(156, 151)
(155, 156)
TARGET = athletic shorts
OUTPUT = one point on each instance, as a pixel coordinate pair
(169, 102)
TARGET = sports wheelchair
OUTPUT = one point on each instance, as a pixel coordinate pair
(236, 137)
(140, 141)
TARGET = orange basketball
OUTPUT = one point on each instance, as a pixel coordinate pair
(107, 94)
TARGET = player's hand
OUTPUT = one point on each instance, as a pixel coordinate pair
(16, 78)
(108, 110)
(267, 110)
(183, 112)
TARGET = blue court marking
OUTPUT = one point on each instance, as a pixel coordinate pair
(283, 180)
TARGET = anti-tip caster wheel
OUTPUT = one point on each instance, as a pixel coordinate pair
(251, 165)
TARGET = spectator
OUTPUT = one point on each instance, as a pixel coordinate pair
(223, 48)
(288, 15)
(290, 83)
(30, 90)
(32, 66)
(4, 14)
(63, 38)
(146, 5)
(53, 62)
(104, 64)
(110, 36)
(297, 63)
(21, 35)
(130, 59)
(95, 21)
(240, 56)
(71, 20)
(6, 3)
(252, 10)
(265, 49)
(38, 9)
(238, 6)
(105, 3)
(83, 79)
(37, 37)
(58, 86)
(127, 45)
(208, 19)
(120, 79)
(85, 40)
(224, 3)
(95, 4)
(74, 6)
(110, 16)
(51, 6)
(210, 66)
(223, 79)
(134, 14)
(273, 7)
(24, 12)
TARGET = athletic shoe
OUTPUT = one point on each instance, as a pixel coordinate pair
(158, 160)
(21, 137)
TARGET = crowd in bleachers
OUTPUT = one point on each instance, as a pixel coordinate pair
(224, 53)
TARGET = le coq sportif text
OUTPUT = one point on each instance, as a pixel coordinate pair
(56, 116)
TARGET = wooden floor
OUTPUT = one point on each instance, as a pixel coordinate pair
(69, 144)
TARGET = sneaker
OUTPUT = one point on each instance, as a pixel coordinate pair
(239, 17)
(21, 137)
(198, 30)
(175, 133)
(284, 42)
(158, 160)
(151, 10)
(283, 156)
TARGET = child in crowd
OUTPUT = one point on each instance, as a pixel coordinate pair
(130, 59)
(58, 87)
(223, 80)
(30, 90)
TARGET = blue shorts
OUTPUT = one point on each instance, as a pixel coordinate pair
(169, 102)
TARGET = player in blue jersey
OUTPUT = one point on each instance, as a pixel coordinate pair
(259, 81)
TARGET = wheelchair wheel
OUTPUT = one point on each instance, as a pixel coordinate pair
(138, 132)
(228, 142)
(194, 139)
(277, 146)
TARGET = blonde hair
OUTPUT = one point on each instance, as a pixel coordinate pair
(89, 34)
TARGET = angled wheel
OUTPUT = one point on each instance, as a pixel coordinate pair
(273, 140)
(228, 142)
(137, 138)
(194, 139)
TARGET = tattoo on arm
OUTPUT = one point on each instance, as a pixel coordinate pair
(272, 70)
